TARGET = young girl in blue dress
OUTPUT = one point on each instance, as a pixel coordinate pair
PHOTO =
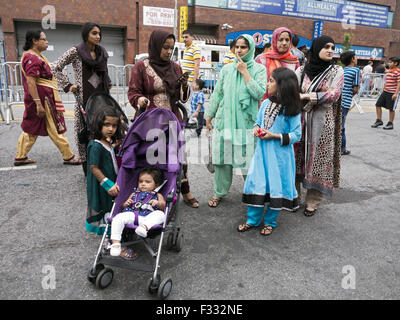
(272, 172)
(102, 168)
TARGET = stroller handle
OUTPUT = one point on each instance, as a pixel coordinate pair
(184, 112)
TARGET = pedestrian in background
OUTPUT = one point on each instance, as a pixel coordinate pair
(234, 106)
(197, 104)
(389, 95)
(230, 56)
(266, 48)
(350, 88)
(89, 62)
(296, 52)
(191, 56)
(366, 72)
(44, 112)
(279, 55)
(318, 153)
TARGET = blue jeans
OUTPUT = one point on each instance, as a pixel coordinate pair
(200, 123)
(345, 111)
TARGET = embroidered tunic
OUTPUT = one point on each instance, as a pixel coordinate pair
(146, 83)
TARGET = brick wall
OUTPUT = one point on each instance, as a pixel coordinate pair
(115, 13)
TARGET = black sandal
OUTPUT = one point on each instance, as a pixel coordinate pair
(267, 230)
(214, 202)
(244, 227)
(309, 213)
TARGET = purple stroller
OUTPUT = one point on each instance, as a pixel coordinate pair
(154, 139)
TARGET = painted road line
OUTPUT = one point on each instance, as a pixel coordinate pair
(18, 168)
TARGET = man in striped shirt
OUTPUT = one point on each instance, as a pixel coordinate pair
(230, 56)
(350, 88)
(389, 94)
(191, 56)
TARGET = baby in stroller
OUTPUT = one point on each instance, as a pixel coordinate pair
(144, 207)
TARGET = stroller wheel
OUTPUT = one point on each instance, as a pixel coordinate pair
(179, 243)
(104, 278)
(154, 285)
(93, 273)
(165, 289)
(170, 240)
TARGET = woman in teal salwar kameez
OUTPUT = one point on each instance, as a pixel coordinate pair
(234, 106)
(272, 173)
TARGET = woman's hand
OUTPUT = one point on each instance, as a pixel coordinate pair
(208, 123)
(305, 96)
(73, 89)
(114, 190)
(143, 102)
(40, 110)
(183, 80)
(241, 66)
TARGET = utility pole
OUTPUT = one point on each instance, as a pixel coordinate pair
(176, 19)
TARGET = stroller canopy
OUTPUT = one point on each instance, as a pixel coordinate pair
(154, 139)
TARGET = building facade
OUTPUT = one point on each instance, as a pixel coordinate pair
(127, 24)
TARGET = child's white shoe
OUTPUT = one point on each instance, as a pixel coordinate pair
(141, 231)
(115, 250)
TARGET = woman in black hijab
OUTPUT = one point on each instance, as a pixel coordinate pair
(156, 82)
(89, 62)
(318, 152)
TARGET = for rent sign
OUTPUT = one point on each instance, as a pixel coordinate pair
(156, 16)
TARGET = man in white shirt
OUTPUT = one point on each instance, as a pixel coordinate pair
(367, 70)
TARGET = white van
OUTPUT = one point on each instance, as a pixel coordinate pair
(211, 61)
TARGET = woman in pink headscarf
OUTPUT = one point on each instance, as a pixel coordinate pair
(279, 55)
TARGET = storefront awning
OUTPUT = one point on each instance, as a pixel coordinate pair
(206, 38)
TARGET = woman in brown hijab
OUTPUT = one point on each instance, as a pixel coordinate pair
(156, 82)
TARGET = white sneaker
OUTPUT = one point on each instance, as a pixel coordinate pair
(141, 231)
(115, 250)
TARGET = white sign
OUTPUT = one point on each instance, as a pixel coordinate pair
(156, 16)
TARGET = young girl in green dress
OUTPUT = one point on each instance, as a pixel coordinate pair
(102, 168)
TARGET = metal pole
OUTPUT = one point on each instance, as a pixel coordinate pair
(176, 19)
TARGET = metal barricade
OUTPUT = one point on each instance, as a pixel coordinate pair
(127, 72)
(372, 85)
(210, 77)
(12, 91)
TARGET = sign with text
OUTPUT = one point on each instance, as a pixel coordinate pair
(342, 11)
(183, 21)
(261, 37)
(318, 29)
(156, 16)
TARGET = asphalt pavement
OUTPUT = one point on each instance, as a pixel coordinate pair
(349, 250)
